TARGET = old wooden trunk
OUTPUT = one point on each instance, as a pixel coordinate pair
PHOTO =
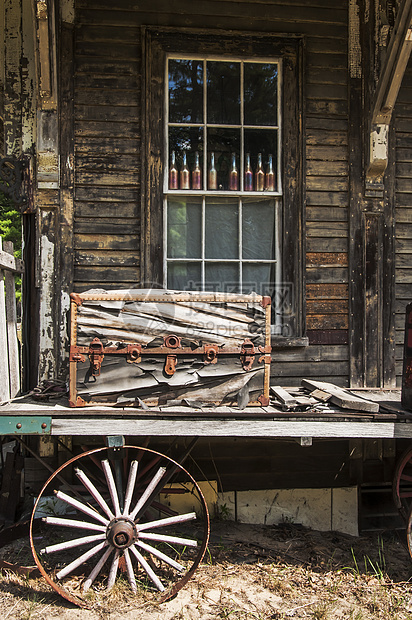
(146, 346)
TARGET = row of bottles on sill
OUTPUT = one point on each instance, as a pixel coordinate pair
(258, 181)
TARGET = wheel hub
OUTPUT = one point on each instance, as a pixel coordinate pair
(121, 533)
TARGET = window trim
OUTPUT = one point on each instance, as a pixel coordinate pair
(157, 44)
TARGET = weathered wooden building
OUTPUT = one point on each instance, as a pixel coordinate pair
(98, 95)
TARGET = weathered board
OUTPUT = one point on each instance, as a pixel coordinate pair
(137, 346)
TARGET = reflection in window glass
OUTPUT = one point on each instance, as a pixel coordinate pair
(257, 278)
(260, 93)
(222, 277)
(184, 228)
(184, 277)
(221, 230)
(185, 91)
(258, 230)
(223, 93)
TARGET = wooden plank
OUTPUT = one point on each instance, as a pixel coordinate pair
(326, 183)
(327, 229)
(326, 274)
(107, 209)
(106, 242)
(325, 244)
(327, 291)
(105, 226)
(327, 321)
(12, 340)
(283, 396)
(326, 153)
(327, 306)
(332, 198)
(102, 257)
(105, 145)
(326, 168)
(118, 273)
(106, 194)
(341, 397)
(326, 214)
(101, 130)
(328, 337)
(326, 259)
(4, 366)
(221, 427)
(10, 263)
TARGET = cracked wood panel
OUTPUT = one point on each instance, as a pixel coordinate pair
(127, 320)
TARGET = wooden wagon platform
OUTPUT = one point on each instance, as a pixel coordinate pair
(326, 420)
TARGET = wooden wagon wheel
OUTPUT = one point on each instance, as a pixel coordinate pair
(402, 485)
(119, 522)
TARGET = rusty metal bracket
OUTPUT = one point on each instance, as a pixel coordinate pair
(247, 354)
(134, 353)
(170, 365)
(96, 356)
(172, 341)
(211, 353)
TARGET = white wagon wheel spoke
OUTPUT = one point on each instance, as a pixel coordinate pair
(119, 538)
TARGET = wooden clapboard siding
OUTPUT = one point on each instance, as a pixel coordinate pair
(108, 142)
(403, 212)
(107, 152)
(327, 208)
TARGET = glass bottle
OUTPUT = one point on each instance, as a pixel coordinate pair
(270, 176)
(173, 173)
(196, 174)
(248, 175)
(233, 176)
(184, 174)
(260, 175)
(212, 172)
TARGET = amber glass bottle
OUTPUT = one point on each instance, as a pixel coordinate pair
(173, 173)
(270, 176)
(260, 175)
(212, 180)
(196, 174)
(248, 175)
(184, 174)
(234, 176)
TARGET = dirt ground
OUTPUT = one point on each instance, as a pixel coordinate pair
(249, 572)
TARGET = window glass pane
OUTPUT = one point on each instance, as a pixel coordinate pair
(185, 91)
(260, 86)
(223, 143)
(258, 229)
(223, 92)
(186, 141)
(262, 141)
(221, 229)
(184, 228)
(257, 278)
(184, 276)
(222, 277)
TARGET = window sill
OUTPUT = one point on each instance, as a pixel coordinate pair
(218, 193)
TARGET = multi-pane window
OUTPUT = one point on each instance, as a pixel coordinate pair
(222, 182)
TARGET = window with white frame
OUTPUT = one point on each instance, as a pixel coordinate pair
(222, 178)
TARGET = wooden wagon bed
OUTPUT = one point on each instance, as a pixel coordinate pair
(27, 416)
